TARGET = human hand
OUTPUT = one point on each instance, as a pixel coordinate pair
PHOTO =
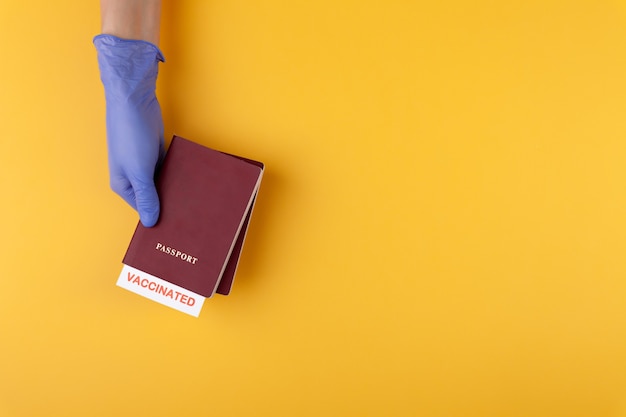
(128, 70)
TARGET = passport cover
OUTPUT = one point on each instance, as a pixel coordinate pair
(206, 197)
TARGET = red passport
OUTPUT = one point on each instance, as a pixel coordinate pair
(206, 197)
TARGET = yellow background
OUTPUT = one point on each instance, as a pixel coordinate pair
(441, 230)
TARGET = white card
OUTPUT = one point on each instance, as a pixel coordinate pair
(161, 291)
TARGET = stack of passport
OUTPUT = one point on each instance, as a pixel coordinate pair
(206, 199)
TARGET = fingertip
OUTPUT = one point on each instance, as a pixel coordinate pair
(148, 205)
(149, 218)
(147, 201)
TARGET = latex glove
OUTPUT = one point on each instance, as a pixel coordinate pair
(128, 70)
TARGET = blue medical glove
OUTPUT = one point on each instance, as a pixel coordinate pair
(128, 70)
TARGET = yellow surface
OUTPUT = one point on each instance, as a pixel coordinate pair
(441, 230)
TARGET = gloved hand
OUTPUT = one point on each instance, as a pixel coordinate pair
(128, 70)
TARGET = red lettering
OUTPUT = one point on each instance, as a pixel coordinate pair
(160, 289)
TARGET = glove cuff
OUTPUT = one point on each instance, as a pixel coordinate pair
(127, 66)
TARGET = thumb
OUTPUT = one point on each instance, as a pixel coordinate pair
(147, 201)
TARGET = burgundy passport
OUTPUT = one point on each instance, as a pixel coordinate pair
(192, 252)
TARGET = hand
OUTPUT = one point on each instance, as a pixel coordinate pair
(128, 69)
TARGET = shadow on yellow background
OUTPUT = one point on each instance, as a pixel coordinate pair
(440, 231)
